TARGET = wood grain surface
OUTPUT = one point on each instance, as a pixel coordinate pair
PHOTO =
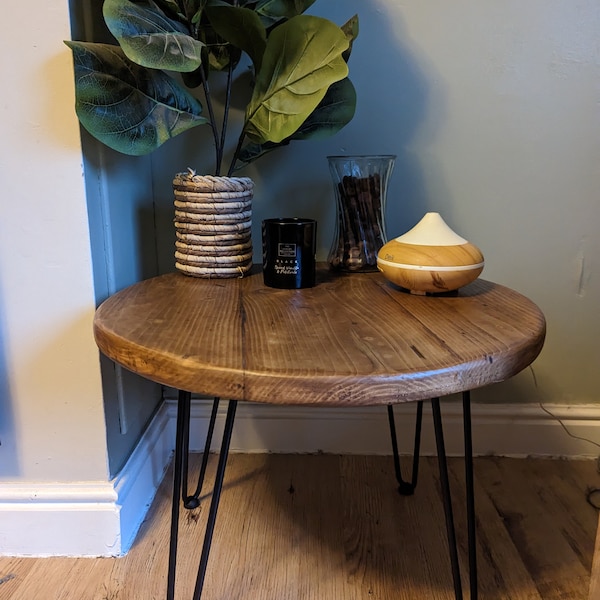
(595, 578)
(351, 340)
(328, 527)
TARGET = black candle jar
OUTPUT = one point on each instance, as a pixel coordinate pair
(289, 248)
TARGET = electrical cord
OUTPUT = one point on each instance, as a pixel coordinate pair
(577, 437)
(592, 494)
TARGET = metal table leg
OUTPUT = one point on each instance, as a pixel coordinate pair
(471, 526)
(180, 479)
(446, 496)
(191, 501)
(445, 485)
(214, 505)
(183, 428)
(404, 487)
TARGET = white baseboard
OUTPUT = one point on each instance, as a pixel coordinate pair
(515, 430)
(138, 481)
(102, 518)
(89, 518)
(76, 519)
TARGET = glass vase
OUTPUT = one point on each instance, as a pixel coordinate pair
(360, 187)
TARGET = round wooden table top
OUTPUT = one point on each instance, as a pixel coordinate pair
(351, 340)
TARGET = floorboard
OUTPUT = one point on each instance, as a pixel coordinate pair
(329, 527)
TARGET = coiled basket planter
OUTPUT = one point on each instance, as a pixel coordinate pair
(213, 221)
(430, 258)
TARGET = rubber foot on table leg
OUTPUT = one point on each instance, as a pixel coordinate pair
(191, 502)
(406, 489)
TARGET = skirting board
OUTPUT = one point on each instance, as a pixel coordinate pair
(102, 518)
(515, 430)
(97, 518)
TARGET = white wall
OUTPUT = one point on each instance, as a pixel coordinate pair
(52, 431)
(51, 400)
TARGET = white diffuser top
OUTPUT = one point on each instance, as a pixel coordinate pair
(431, 230)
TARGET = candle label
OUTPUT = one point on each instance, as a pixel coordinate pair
(286, 262)
(286, 250)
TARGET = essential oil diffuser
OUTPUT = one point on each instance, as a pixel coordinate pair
(430, 258)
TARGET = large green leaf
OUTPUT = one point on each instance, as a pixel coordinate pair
(193, 7)
(302, 59)
(241, 27)
(251, 152)
(217, 54)
(334, 112)
(350, 28)
(170, 7)
(150, 38)
(275, 10)
(127, 107)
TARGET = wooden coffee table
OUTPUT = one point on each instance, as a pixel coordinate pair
(352, 340)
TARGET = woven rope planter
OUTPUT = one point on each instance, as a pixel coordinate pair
(213, 221)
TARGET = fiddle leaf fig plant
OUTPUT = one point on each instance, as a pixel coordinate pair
(135, 95)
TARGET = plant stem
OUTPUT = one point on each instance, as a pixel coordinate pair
(226, 116)
(226, 113)
(236, 153)
(211, 116)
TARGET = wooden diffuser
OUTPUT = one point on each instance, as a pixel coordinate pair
(430, 258)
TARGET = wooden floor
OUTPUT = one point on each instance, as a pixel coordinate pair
(326, 527)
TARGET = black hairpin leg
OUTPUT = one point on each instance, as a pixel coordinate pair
(181, 443)
(180, 478)
(404, 487)
(445, 485)
(193, 501)
(214, 505)
(470, 494)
